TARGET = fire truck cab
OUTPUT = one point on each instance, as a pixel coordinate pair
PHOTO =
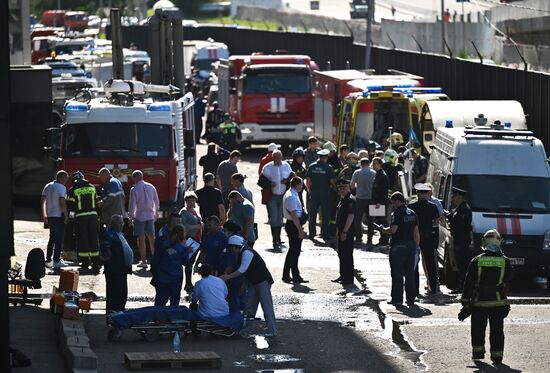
(125, 131)
(269, 96)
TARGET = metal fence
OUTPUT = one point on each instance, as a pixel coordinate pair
(460, 79)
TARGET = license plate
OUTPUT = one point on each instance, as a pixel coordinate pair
(517, 261)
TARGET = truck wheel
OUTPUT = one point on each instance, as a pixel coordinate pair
(450, 275)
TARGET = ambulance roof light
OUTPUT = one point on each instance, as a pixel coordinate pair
(403, 86)
(449, 124)
(76, 107)
(432, 90)
(159, 107)
(508, 124)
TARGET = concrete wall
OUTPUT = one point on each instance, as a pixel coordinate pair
(502, 13)
(266, 4)
(458, 36)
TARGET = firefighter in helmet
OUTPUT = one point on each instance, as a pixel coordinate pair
(230, 133)
(82, 200)
(484, 296)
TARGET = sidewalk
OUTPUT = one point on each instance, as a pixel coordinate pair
(33, 333)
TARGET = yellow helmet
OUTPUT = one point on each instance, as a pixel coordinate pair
(491, 237)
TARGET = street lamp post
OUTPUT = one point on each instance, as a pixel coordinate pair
(368, 46)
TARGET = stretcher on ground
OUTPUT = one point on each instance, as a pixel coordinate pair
(152, 322)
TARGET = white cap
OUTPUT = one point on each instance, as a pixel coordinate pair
(271, 147)
(422, 187)
(235, 241)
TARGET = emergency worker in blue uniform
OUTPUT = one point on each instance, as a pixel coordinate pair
(484, 296)
(117, 257)
(167, 268)
(319, 180)
(82, 201)
(230, 134)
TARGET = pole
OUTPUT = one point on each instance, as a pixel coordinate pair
(116, 37)
(443, 26)
(463, 29)
(6, 218)
(368, 46)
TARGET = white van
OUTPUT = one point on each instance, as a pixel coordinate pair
(507, 177)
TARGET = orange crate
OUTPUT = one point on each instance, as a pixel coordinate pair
(68, 281)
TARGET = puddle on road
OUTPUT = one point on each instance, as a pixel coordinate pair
(292, 370)
(240, 364)
(273, 358)
(259, 342)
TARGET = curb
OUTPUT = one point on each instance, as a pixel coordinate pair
(75, 346)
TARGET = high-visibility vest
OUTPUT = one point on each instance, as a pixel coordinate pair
(485, 262)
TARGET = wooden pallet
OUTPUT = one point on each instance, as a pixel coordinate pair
(172, 360)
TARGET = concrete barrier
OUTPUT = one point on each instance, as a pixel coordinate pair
(75, 346)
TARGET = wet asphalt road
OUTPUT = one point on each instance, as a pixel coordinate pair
(324, 327)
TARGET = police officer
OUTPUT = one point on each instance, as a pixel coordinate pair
(345, 216)
(319, 179)
(484, 296)
(460, 220)
(405, 238)
(82, 200)
(230, 133)
(428, 216)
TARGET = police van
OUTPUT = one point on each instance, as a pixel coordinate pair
(507, 178)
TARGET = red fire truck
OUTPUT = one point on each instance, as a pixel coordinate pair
(269, 96)
(126, 131)
(331, 87)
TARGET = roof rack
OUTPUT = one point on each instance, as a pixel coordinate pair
(498, 132)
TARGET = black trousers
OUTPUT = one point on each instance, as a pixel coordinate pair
(495, 316)
(428, 245)
(294, 249)
(345, 254)
(362, 209)
(86, 230)
(462, 258)
(117, 291)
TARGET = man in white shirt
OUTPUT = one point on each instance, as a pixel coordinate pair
(210, 292)
(278, 172)
(293, 211)
(54, 214)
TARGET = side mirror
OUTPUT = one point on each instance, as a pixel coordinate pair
(52, 142)
(189, 152)
(233, 91)
(232, 82)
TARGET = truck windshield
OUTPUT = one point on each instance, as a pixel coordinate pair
(495, 193)
(277, 83)
(116, 140)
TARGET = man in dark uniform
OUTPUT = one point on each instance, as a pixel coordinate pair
(82, 200)
(460, 220)
(212, 159)
(230, 134)
(428, 217)
(334, 161)
(297, 166)
(319, 179)
(345, 232)
(405, 238)
(484, 296)
(213, 120)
